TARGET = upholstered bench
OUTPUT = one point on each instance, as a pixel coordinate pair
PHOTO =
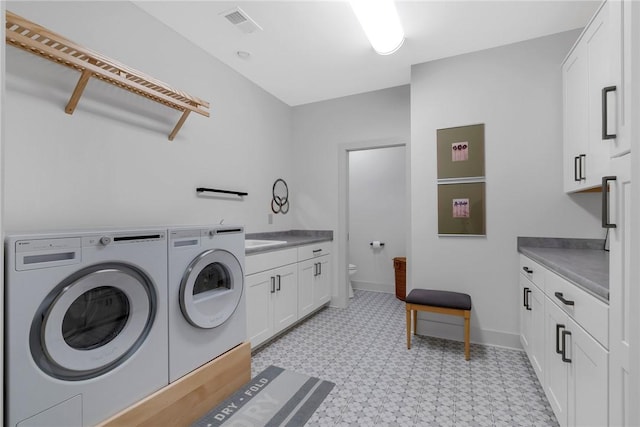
(443, 302)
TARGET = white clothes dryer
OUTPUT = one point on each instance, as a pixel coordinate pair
(86, 324)
(207, 312)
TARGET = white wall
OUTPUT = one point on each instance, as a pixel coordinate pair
(377, 211)
(516, 92)
(110, 163)
(2, 110)
(318, 131)
(322, 134)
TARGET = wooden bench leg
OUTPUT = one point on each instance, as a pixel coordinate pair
(467, 327)
(408, 328)
(415, 322)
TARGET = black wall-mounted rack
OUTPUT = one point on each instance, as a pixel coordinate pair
(214, 190)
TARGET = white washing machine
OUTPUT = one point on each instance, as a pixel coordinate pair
(86, 324)
(207, 312)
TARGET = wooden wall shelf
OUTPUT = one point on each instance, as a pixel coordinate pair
(36, 39)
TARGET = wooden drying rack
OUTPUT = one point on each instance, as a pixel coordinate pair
(33, 38)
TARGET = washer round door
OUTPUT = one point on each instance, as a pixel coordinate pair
(93, 321)
(211, 289)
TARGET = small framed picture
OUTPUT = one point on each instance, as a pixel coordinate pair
(461, 209)
(461, 152)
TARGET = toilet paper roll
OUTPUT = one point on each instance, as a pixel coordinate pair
(376, 244)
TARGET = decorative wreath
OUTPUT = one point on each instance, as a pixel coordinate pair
(280, 203)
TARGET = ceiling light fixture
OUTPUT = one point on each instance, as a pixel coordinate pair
(380, 22)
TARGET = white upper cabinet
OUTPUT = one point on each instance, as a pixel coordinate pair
(620, 101)
(594, 101)
(576, 117)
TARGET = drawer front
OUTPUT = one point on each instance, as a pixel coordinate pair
(313, 251)
(268, 260)
(533, 271)
(589, 312)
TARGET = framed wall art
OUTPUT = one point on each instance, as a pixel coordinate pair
(461, 209)
(461, 152)
(461, 181)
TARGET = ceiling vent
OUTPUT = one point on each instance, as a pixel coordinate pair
(241, 20)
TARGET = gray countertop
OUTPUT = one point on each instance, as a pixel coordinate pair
(581, 261)
(293, 238)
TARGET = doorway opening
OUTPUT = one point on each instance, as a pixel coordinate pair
(374, 213)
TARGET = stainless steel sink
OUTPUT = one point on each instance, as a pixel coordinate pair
(255, 243)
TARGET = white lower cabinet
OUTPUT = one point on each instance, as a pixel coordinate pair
(284, 286)
(285, 298)
(314, 275)
(571, 364)
(307, 271)
(556, 382)
(532, 324)
(322, 282)
(272, 302)
(588, 379)
(536, 302)
(259, 307)
(577, 372)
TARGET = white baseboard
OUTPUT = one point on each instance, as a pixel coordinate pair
(455, 331)
(375, 287)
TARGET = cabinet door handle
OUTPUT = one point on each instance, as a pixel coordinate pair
(564, 301)
(583, 166)
(273, 285)
(317, 251)
(524, 297)
(564, 346)
(527, 270)
(279, 280)
(558, 348)
(605, 202)
(576, 160)
(605, 113)
(315, 269)
(528, 304)
(319, 269)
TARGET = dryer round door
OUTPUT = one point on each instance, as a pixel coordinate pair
(211, 289)
(93, 321)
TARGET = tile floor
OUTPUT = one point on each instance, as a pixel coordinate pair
(379, 382)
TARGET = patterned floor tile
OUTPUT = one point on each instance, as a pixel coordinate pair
(379, 382)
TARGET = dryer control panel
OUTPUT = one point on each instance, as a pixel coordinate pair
(44, 253)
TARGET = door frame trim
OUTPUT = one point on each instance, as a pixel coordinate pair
(341, 299)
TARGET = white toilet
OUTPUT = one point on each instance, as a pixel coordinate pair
(352, 270)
